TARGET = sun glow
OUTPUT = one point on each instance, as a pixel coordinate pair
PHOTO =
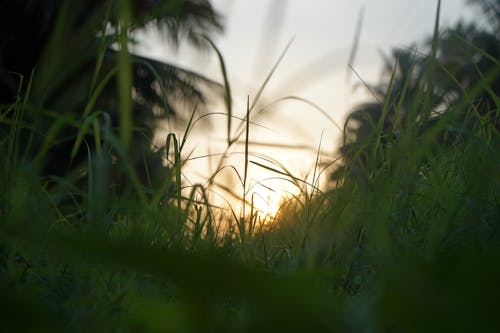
(267, 198)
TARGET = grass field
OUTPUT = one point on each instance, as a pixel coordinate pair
(406, 238)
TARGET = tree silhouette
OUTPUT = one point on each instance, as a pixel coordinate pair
(418, 90)
(73, 49)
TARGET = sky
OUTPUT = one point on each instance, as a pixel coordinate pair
(320, 35)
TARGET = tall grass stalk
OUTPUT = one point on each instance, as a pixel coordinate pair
(407, 239)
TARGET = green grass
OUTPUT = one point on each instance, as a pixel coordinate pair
(407, 242)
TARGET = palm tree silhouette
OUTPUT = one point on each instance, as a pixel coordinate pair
(73, 47)
(419, 89)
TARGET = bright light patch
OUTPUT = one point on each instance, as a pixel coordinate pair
(267, 197)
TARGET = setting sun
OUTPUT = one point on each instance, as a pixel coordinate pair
(267, 197)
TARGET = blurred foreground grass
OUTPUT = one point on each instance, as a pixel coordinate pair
(406, 240)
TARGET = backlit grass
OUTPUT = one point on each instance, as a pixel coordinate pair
(406, 238)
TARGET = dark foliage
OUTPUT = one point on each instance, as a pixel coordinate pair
(416, 91)
(64, 50)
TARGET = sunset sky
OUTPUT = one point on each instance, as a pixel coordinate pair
(313, 68)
